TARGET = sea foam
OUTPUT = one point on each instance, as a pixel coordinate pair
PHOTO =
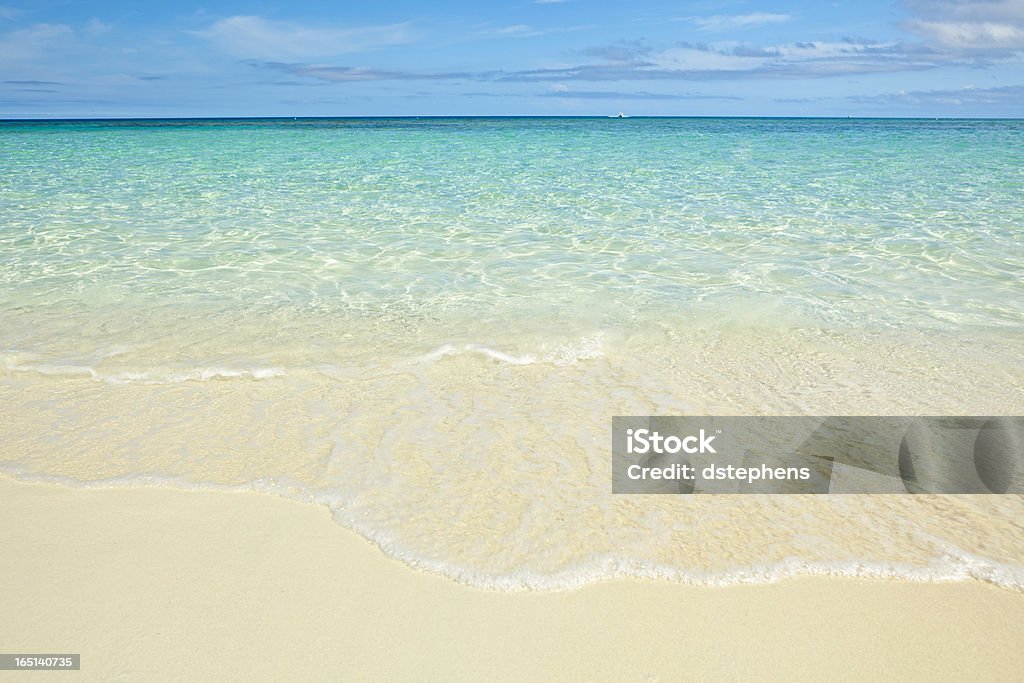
(948, 564)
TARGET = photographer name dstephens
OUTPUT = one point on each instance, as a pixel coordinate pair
(646, 441)
(679, 472)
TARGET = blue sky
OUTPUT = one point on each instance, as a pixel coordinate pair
(536, 57)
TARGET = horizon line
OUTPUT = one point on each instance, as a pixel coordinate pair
(494, 116)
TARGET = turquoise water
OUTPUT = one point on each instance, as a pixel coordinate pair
(427, 324)
(877, 223)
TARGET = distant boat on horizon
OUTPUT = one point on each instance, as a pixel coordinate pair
(620, 115)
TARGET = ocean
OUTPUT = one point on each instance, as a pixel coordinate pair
(427, 325)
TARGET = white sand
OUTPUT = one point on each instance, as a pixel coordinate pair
(157, 584)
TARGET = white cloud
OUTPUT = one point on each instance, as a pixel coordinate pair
(525, 31)
(258, 38)
(691, 58)
(733, 60)
(31, 42)
(721, 22)
(96, 27)
(969, 24)
(515, 30)
(969, 10)
(811, 58)
(971, 34)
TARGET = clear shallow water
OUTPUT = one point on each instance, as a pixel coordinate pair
(428, 324)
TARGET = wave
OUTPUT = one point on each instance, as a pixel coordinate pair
(88, 366)
(952, 565)
(562, 354)
(196, 375)
(13, 363)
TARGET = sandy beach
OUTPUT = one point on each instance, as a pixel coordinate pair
(156, 584)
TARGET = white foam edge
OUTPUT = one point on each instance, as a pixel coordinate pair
(199, 374)
(565, 354)
(954, 566)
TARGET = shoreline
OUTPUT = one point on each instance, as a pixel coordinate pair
(161, 583)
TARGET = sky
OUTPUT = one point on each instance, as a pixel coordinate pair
(178, 58)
